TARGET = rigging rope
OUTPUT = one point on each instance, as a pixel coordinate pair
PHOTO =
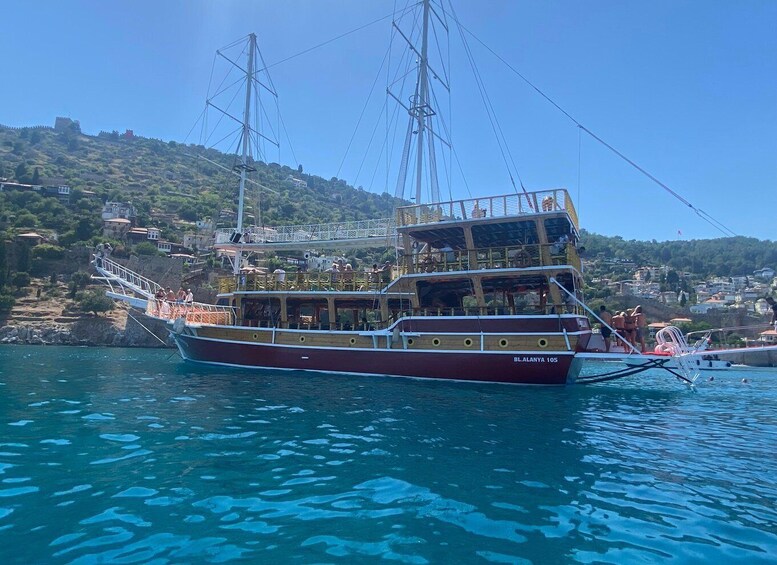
(703, 215)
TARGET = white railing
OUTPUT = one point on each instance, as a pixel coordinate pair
(362, 229)
(193, 312)
(489, 207)
(123, 276)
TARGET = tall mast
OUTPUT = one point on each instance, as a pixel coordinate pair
(421, 114)
(246, 141)
(422, 93)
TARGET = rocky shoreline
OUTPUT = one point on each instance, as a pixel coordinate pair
(118, 330)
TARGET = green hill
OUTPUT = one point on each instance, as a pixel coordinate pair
(171, 186)
(167, 183)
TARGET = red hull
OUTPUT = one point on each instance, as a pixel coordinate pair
(516, 368)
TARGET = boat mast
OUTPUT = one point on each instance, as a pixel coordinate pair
(243, 166)
(420, 124)
(422, 93)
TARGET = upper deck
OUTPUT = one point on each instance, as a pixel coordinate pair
(383, 232)
(502, 206)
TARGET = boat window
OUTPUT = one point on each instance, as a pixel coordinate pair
(262, 313)
(559, 227)
(504, 234)
(444, 294)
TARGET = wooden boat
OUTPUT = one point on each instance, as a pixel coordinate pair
(472, 298)
(481, 289)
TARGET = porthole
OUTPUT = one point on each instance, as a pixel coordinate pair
(503, 343)
(468, 342)
(256, 336)
(410, 341)
(302, 339)
(542, 342)
(353, 340)
(436, 342)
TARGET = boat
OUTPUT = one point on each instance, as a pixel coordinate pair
(482, 289)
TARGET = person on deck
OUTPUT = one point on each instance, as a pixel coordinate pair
(630, 326)
(618, 324)
(606, 317)
(773, 305)
(640, 324)
(375, 274)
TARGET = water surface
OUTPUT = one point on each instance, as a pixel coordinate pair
(131, 456)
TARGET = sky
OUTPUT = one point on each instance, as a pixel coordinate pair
(685, 89)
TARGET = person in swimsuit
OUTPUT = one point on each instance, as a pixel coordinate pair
(606, 317)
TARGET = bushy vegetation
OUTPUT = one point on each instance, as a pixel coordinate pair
(94, 301)
(163, 181)
(730, 256)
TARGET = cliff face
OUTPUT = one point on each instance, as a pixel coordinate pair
(97, 331)
(49, 320)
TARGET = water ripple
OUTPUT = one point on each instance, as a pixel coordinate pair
(174, 464)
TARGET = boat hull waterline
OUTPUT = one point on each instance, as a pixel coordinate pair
(552, 368)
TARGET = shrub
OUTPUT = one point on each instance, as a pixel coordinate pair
(94, 301)
(6, 302)
(146, 248)
(48, 251)
(20, 280)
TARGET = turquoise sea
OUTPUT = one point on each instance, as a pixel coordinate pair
(131, 456)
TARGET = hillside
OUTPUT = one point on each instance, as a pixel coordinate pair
(171, 187)
(168, 184)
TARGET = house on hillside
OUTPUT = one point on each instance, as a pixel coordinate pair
(298, 183)
(112, 210)
(62, 192)
(170, 247)
(116, 228)
(201, 241)
(708, 305)
(766, 273)
(139, 235)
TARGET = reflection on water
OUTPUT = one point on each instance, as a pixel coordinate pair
(130, 456)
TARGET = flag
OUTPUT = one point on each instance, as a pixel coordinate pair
(679, 232)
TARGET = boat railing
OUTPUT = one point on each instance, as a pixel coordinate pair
(307, 281)
(122, 275)
(508, 257)
(489, 207)
(309, 323)
(359, 229)
(193, 312)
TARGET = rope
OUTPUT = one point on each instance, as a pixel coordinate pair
(701, 213)
(148, 330)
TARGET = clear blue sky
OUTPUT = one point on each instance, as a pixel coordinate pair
(687, 89)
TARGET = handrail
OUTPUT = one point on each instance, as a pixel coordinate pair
(508, 257)
(355, 281)
(138, 283)
(360, 229)
(489, 207)
(296, 324)
(194, 312)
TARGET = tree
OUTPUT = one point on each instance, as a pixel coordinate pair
(94, 301)
(85, 229)
(78, 280)
(5, 269)
(146, 248)
(20, 280)
(36, 176)
(21, 173)
(23, 257)
(48, 251)
(6, 302)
